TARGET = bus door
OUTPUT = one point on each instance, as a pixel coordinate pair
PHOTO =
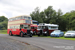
(21, 28)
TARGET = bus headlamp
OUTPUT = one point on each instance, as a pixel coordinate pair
(31, 31)
(45, 32)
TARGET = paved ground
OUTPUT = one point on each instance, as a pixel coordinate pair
(11, 44)
(46, 43)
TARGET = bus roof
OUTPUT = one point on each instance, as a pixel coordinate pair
(44, 24)
(20, 16)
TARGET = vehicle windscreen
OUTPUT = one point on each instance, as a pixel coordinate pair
(26, 26)
(33, 27)
(44, 27)
(29, 18)
(57, 31)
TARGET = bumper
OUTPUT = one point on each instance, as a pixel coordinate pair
(27, 33)
(54, 35)
(24, 33)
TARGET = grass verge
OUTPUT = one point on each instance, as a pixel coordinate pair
(56, 37)
(3, 31)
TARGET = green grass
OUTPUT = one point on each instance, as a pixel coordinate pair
(3, 31)
(56, 37)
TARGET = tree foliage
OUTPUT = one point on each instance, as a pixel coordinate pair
(36, 15)
(70, 18)
(49, 15)
(3, 22)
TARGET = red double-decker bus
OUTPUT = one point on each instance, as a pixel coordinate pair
(20, 25)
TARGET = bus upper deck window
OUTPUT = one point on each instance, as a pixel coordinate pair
(25, 17)
(16, 18)
(29, 18)
(21, 17)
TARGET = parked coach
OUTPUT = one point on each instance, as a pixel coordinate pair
(46, 29)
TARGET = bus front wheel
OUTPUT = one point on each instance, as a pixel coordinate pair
(10, 33)
(21, 34)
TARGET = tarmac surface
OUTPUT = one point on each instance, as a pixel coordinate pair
(44, 43)
(12, 44)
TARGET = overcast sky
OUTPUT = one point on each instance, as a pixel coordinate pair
(11, 8)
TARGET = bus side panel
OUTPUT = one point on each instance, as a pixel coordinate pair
(23, 30)
(33, 30)
(8, 31)
(12, 31)
(17, 32)
(50, 31)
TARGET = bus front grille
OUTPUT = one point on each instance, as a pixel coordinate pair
(28, 31)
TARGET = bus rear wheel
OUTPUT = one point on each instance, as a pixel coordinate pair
(21, 34)
(10, 33)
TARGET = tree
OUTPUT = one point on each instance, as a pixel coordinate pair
(50, 13)
(36, 15)
(70, 19)
(42, 16)
(61, 21)
(3, 22)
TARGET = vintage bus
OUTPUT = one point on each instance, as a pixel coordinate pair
(20, 25)
(34, 29)
(46, 29)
